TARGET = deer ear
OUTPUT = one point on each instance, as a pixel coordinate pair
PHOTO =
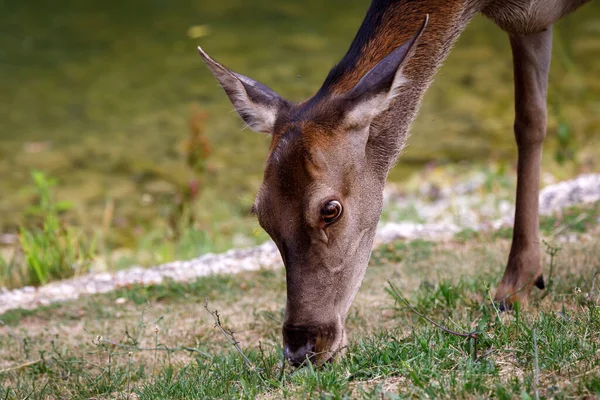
(256, 103)
(373, 94)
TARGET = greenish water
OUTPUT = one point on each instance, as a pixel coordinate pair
(98, 94)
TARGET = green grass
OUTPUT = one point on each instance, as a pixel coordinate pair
(573, 219)
(49, 247)
(398, 251)
(426, 363)
(158, 342)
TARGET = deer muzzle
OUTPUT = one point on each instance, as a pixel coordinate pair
(316, 344)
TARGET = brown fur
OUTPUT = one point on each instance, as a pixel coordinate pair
(400, 21)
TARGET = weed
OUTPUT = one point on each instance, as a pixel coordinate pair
(50, 248)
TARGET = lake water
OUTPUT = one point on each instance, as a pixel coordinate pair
(98, 95)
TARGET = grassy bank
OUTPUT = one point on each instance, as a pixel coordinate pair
(159, 342)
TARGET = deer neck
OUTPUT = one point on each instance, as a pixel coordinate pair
(389, 24)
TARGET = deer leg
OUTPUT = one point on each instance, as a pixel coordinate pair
(531, 62)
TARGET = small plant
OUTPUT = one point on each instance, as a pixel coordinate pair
(552, 251)
(183, 232)
(196, 150)
(51, 249)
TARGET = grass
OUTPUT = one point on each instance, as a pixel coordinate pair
(572, 219)
(49, 247)
(158, 342)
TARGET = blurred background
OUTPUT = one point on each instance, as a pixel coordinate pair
(117, 147)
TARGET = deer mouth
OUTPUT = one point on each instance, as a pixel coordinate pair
(317, 345)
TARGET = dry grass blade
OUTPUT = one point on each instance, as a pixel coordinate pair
(471, 335)
(20, 366)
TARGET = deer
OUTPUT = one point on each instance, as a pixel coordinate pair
(322, 192)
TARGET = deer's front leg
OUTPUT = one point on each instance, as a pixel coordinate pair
(531, 59)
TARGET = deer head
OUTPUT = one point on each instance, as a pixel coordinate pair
(321, 197)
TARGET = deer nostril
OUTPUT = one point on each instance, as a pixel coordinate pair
(300, 355)
(299, 345)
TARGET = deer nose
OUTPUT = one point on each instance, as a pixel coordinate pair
(299, 346)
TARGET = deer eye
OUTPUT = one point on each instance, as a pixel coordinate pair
(331, 211)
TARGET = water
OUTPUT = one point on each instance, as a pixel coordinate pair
(98, 94)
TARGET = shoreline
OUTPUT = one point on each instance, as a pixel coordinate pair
(584, 189)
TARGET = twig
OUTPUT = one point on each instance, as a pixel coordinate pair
(536, 367)
(470, 335)
(228, 335)
(18, 367)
